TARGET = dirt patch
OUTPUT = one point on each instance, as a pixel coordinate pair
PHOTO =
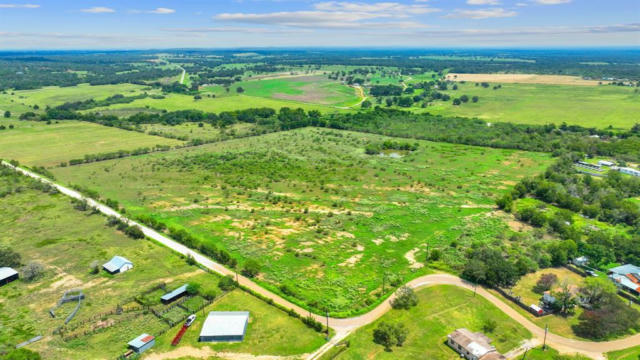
(377, 241)
(350, 262)
(524, 79)
(411, 258)
(345, 234)
(67, 281)
(210, 219)
(206, 353)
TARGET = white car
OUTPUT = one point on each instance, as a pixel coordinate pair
(190, 320)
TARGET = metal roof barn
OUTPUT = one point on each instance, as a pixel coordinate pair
(7, 275)
(142, 343)
(117, 264)
(224, 326)
(171, 296)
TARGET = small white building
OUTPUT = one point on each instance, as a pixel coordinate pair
(626, 277)
(629, 171)
(7, 275)
(606, 163)
(580, 261)
(117, 265)
(224, 326)
(473, 346)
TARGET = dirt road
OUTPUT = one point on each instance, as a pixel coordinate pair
(344, 327)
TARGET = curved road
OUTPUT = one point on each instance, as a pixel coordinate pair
(344, 327)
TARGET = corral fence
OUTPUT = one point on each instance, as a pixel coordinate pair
(516, 300)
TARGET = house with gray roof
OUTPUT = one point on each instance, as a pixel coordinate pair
(626, 277)
(117, 265)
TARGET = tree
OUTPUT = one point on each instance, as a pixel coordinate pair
(474, 99)
(22, 354)
(366, 104)
(32, 271)
(7, 114)
(239, 89)
(489, 325)
(405, 299)
(389, 335)
(613, 317)
(565, 299)
(251, 268)
(193, 288)
(456, 101)
(596, 290)
(545, 282)
(464, 98)
(9, 258)
(227, 283)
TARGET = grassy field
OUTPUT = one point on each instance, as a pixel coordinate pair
(191, 131)
(627, 354)
(47, 229)
(322, 218)
(53, 95)
(315, 89)
(591, 106)
(174, 102)
(270, 331)
(551, 354)
(36, 143)
(441, 310)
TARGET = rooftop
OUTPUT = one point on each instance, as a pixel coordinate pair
(174, 293)
(141, 340)
(116, 263)
(225, 323)
(6, 272)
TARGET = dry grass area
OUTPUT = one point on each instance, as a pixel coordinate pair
(524, 79)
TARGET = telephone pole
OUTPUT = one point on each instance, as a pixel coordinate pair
(327, 314)
(546, 330)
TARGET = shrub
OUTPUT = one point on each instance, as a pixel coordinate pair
(405, 298)
(389, 335)
(9, 258)
(227, 283)
(545, 282)
(32, 271)
(251, 268)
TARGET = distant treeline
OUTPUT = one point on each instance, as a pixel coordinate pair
(545, 138)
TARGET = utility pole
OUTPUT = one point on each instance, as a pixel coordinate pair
(327, 314)
(546, 330)
(525, 353)
(475, 289)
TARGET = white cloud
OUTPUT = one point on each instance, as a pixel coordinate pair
(481, 13)
(483, 2)
(552, 2)
(19, 6)
(338, 15)
(98, 10)
(162, 10)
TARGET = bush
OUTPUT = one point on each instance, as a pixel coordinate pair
(251, 268)
(545, 283)
(134, 232)
(405, 298)
(22, 354)
(32, 271)
(94, 268)
(489, 325)
(193, 289)
(389, 335)
(227, 283)
(312, 323)
(9, 258)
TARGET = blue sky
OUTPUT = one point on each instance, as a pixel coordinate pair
(142, 24)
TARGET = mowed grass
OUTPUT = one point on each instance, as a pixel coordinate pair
(441, 310)
(270, 331)
(589, 106)
(524, 287)
(175, 102)
(322, 218)
(36, 143)
(55, 95)
(47, 229)
(551, 354)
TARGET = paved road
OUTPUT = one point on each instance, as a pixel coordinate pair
(344, 327)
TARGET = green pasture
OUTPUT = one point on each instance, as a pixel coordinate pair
(47, 229)
(192, 131)
(551, 354)
(626, 354)
(325, 220)
(589, 106)
(441, 310)
(38, 143)
(54, 95)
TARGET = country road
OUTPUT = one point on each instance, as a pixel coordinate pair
(184, 72)
(343, 327)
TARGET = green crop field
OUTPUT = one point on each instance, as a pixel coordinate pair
(589, 106)
(441, 310)
(324, 219)
(36, 143)
(47, 229)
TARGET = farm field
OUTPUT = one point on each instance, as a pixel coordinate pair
(589, 106)
(174, 102)
(192, 131)
(37, 143)
(524, 79)
(47, 229)
(323, 219)
(440, 310)
(54, 95)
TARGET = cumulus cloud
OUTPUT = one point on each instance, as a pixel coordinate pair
(162, 11)
(335, 14)
(481, 13)
(98, 10)
(483, 2)
(19, 6)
